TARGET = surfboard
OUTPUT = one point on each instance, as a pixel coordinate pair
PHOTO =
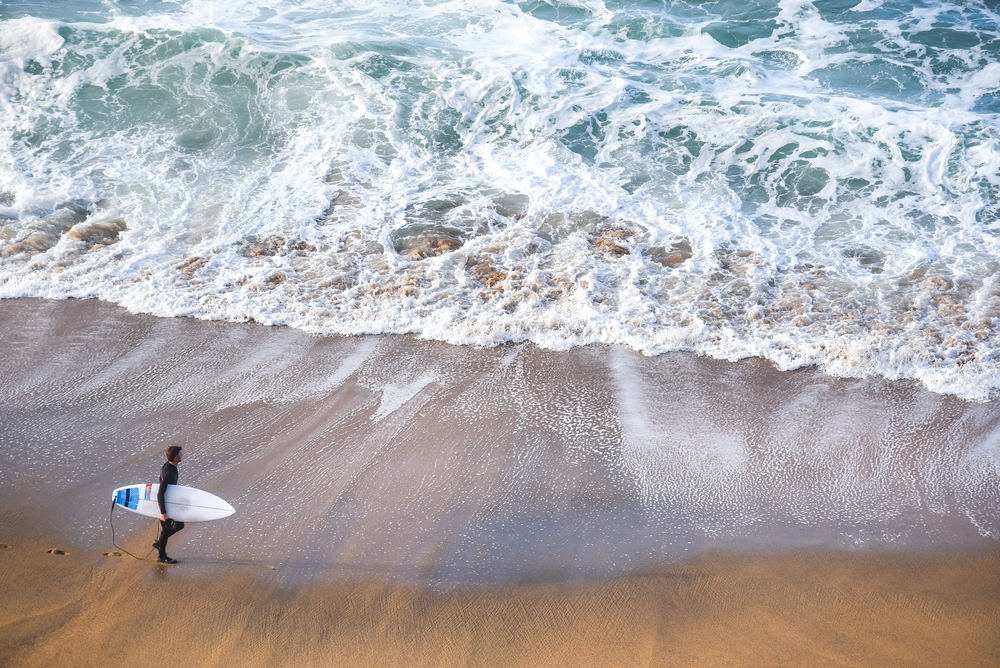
(184, 504)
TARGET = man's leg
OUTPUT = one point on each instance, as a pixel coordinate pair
(161, 540)
(167, 529)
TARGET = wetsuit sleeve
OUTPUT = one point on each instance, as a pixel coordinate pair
(168, 476)
(161, 496)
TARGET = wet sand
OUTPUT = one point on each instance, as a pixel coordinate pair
(402, 502)
(817, 608)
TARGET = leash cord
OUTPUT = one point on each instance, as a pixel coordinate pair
(111, 521)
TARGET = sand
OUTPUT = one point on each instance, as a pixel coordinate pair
(402, 502)
(814, 608)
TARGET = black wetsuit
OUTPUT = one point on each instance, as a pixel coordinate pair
(168, 476)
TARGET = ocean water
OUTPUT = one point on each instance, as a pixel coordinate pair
(814, 183)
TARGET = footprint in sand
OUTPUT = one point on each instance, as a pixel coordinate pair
(55, 551)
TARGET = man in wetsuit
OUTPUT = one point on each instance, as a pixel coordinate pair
(168, 527)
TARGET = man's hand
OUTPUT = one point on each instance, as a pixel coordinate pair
(163, 518)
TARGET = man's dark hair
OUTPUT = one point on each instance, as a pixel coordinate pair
(172, 452)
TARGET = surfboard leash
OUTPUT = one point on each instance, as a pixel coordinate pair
(111, 521)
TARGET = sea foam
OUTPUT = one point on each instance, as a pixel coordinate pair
(809, 182)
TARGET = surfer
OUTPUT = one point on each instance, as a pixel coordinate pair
(168, 527)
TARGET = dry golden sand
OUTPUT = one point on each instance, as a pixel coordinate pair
(817, 608)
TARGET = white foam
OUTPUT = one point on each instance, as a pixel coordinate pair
(395, 395)
(735, 177)
(867, 5)
(28, 38)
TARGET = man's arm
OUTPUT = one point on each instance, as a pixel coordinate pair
(161, 499)
(168, 476)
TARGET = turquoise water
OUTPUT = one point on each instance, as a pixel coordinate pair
(815, 183)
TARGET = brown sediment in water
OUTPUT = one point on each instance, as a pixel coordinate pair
(402, 502)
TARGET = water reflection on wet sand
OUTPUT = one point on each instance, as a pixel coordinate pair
(402, 502)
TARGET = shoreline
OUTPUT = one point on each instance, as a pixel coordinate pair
(506, 506)
(476, 465)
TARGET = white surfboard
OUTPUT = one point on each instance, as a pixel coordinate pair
(184, 504)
